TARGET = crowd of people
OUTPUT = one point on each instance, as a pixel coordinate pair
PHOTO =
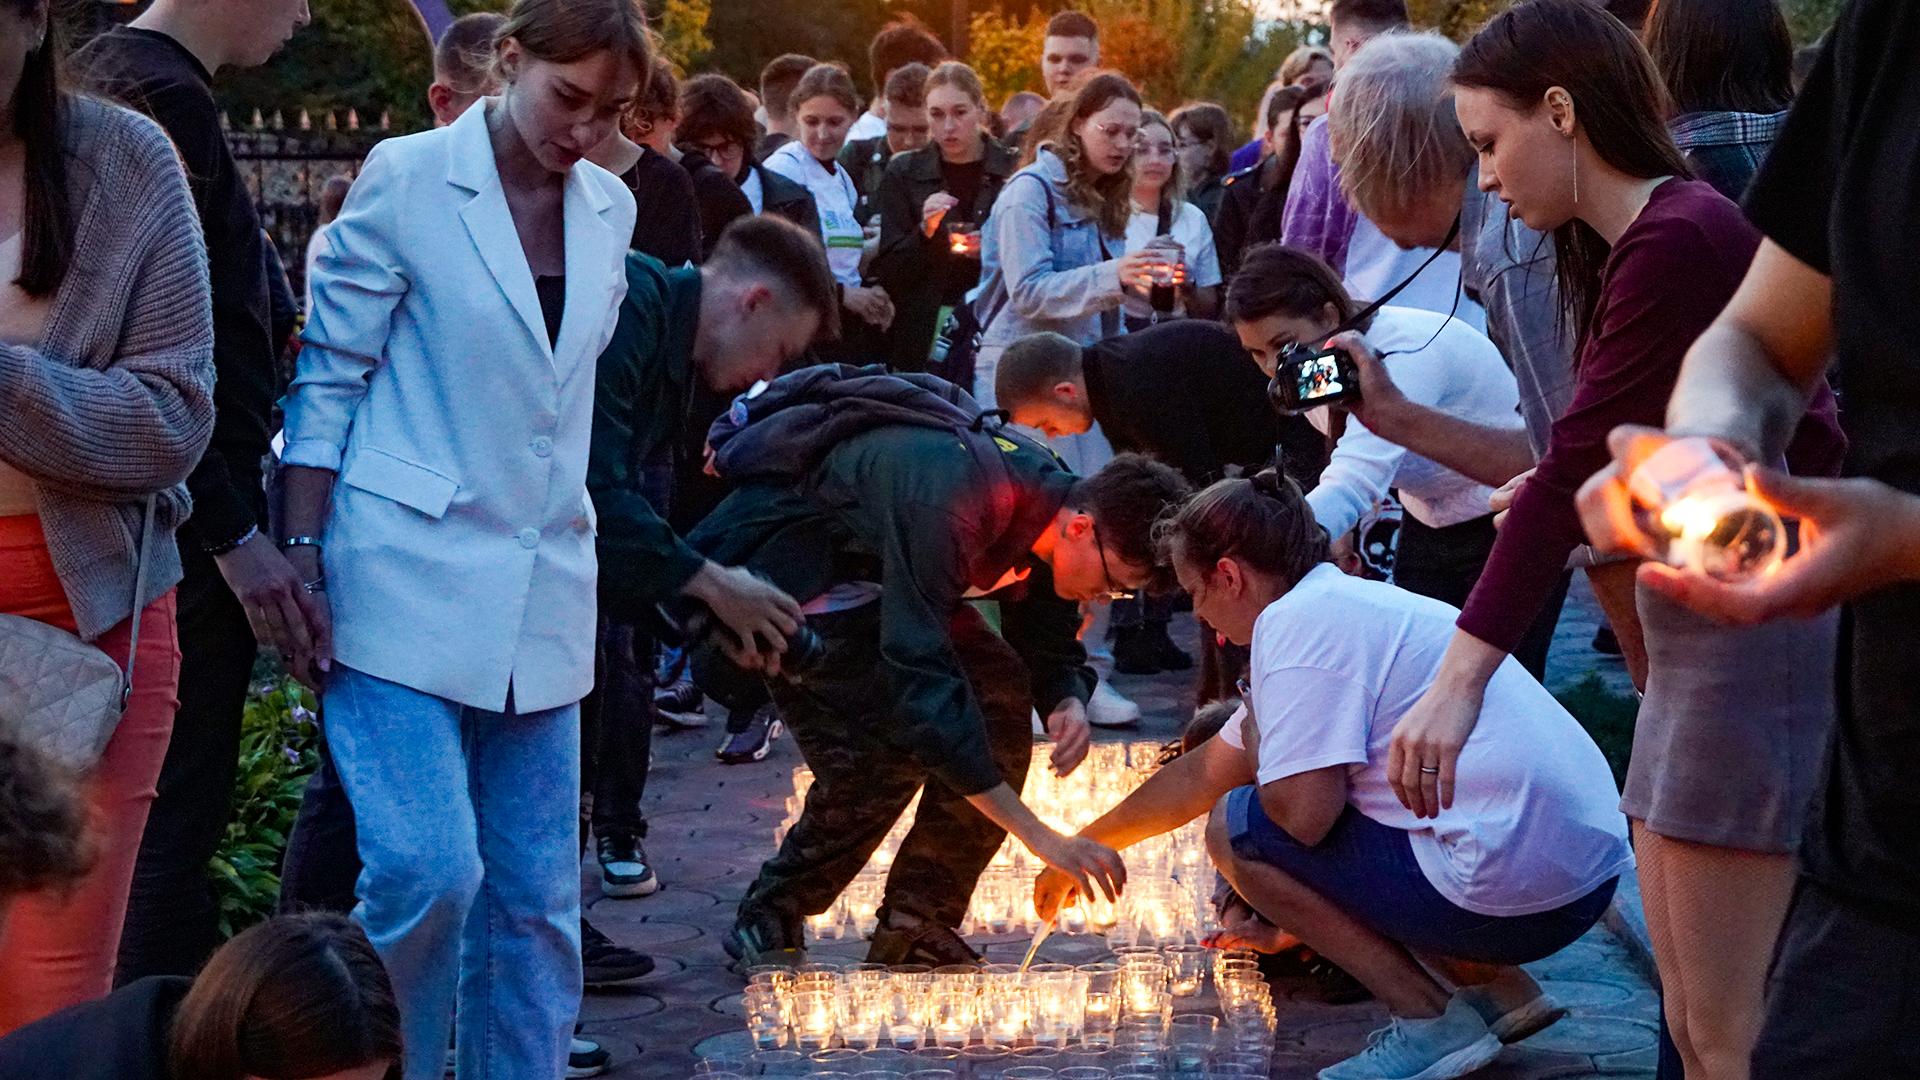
(898, 424)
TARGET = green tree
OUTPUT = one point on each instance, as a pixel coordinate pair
(683, 32)
(372, 56)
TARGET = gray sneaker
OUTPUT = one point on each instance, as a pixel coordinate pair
(1452, 1044)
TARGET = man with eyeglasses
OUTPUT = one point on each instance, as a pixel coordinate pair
(884, 542)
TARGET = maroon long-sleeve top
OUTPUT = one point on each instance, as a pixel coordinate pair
(1666, 280)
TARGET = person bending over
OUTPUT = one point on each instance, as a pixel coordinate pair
(1432, 915)
(883, 541)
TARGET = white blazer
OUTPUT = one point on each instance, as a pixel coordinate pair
(460, 547)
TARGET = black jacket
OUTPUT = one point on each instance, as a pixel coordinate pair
(1251, 214)
(779, 195)
(1187, 393)
(668, 226)
(866, 162)
(717, 197)
(921, 273)
(122, 1036)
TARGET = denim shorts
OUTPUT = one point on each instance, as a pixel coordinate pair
(1369, 870)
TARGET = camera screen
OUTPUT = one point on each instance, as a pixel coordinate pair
(1319, 377)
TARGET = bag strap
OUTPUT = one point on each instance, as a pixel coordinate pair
(1165, 225)
(141, 560)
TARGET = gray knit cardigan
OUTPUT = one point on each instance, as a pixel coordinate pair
(117, 401)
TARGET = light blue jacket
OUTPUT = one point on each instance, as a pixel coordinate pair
(1042, 266)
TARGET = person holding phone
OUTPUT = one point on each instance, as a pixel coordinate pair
(1284, 297)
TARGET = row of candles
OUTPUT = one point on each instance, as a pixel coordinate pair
(1168, 877)
(1126, 1005)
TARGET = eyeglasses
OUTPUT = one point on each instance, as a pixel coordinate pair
(713, 147)
(1113, 590)
(1119, 133)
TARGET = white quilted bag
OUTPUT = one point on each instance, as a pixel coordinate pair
(59, 694)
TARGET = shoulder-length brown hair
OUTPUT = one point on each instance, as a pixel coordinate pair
(298, 995)
(1108, 198)
(40, 123)
(1722, 55)
(1618, 101)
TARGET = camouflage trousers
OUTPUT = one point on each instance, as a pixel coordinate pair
(840, 716)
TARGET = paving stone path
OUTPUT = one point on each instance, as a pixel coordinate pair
(711, 825)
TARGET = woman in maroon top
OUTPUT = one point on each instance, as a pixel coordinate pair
(1564, 109)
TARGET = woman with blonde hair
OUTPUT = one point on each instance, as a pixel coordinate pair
(1162, 218)
(436, 505)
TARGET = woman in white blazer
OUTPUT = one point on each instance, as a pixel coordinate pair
(467, 290)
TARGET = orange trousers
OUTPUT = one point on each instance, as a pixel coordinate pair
(57, 948)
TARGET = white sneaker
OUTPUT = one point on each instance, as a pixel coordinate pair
(1452, 1044)
(1109, 709)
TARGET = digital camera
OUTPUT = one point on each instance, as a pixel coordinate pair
(1307, 378)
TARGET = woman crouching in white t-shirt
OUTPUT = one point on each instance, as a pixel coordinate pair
(1432, 915)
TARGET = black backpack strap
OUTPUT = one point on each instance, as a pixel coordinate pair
(1166, 217)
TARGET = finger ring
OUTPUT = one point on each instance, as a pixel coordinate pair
(1430, 770)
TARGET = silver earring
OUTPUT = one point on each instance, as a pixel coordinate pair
(1574, 152)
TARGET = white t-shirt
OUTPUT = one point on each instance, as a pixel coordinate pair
(1376, 264)
(1535, 822)
(1190, 229)
(833, 195)
(1461, 374)
(871, 125)
(752, 190)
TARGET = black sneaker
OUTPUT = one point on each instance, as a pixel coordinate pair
(605, 963)
(921, 943)
(1134, 652)
(624, 869)
(586, 1058)
(752, 744)
(1170, 657)
(760, 938)
(680, 705)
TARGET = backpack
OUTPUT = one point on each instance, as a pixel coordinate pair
(781, 431)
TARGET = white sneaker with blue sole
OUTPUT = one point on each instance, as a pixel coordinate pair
(1452, 1044)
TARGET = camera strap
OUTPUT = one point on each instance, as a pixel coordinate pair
(1366, 313)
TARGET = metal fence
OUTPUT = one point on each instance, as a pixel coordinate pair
(286, 165)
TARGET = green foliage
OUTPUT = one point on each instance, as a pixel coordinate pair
(683, 32)
(277, 753)
(372, 56)
(1607, 715)
(1458, 19)
(1808, 19)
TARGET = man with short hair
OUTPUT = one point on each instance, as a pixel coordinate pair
(884, 539)
(463, 65)
(899, 43)
(777, 82)
(1071, 46)
(758, 302)
(907, 128)
(239, 592)
(1219, 422)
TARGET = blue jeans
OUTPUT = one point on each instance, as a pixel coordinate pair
(470, 887)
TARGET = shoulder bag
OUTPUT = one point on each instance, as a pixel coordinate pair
(60, 695)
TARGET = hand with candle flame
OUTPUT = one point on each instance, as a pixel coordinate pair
(1856, 536)
(1607, 506)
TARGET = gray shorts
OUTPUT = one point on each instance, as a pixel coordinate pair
(1730, 740)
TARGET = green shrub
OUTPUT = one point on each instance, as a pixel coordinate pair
(1607, 715)
(277, 753)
